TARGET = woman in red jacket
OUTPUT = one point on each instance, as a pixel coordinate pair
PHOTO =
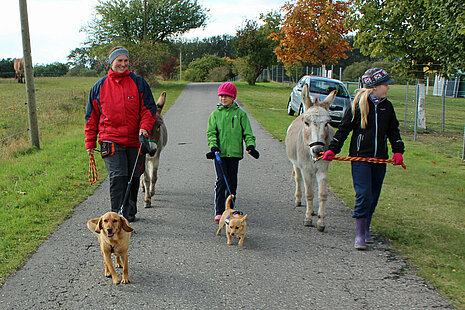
(120, 108)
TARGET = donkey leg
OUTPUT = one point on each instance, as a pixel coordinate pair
(298, 186)
(146, 181)
(154, 176)
(322, 197)
(309, 200)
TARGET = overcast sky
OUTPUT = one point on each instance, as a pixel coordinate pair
(54, 25)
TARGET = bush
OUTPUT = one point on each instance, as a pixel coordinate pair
(201, 69)
(54, 69)
(218, 74)
(82, 71)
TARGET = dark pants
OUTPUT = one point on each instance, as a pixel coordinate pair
(368, 180)
(120, 167)
(229, 168)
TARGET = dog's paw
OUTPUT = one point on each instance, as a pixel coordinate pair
(125, 281)
(116, 280)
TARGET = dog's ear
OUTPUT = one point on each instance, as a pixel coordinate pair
(243, 218)
(99, 227)
(125, 224)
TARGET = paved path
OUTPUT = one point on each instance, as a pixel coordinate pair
(177, 262)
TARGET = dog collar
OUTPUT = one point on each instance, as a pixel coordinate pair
(237, 212)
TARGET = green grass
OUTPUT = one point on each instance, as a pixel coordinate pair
(421, 208)
(40, 188)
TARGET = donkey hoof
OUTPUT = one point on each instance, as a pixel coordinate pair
(148, 205)
(308, 222)
(320, 227)
(298, 204)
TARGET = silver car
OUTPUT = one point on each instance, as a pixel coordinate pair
(320, 87)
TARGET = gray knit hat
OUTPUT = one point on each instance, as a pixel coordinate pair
(118, 52)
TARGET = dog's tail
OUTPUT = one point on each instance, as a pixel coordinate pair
(228, 202)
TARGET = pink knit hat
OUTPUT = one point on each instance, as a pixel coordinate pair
(228, 89)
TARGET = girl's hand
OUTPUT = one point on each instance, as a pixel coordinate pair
(398, 159)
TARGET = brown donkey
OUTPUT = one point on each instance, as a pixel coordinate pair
(159, 136)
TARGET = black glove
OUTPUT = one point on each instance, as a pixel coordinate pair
(145, 147)
(211, 154)
(252, 151)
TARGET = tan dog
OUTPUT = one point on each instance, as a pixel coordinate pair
(234, 221)
(113, 234)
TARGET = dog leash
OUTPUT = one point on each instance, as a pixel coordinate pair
(370, 160)
(220, 163)
(128, 188)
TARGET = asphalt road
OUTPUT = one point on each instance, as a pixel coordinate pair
(176, 261)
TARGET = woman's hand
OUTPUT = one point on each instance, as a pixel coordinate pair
(143, 132)
(90, 151)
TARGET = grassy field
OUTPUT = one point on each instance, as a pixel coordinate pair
(39, 188)
(421, 208)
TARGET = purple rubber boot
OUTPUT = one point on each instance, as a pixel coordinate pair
(360, 228)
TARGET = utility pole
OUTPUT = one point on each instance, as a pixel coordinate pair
(29, 73)
(180, 61)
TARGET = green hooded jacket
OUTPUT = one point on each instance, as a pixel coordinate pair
(226, 129)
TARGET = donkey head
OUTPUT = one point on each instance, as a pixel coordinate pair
(316, 119)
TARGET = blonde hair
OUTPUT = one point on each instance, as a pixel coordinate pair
(361, 100)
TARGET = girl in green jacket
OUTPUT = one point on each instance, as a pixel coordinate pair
(227, 127)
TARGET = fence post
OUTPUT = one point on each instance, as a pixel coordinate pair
(406, 103)
(415, 127)
(463, 148)
(443, 106)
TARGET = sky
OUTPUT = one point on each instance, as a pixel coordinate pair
(54, 25)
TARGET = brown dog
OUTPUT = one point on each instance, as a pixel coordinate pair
(234, 221)
(113, 234)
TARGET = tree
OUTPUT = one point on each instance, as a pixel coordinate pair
(169, 67)
(419, 35)
(313, 31)
(254, 49)
(136, 21)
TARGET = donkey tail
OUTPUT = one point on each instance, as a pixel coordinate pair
(228, 202)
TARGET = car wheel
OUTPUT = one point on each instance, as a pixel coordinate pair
(301, 109)
(289, 108)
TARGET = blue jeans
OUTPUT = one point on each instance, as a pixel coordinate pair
(229, 168)
(368, 179)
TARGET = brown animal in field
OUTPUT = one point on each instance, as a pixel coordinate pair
(158, 136)
(307, 137)
(18, 65)
(113, 232)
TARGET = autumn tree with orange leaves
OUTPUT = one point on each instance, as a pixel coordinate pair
(313, 31)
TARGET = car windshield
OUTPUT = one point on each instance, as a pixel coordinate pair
(326, 87)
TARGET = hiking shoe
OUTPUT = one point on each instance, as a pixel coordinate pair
(218, 218)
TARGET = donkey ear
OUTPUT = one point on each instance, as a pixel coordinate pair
(328, 100)
(161, 102)
(306, 97)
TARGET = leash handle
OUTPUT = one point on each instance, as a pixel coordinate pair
(92, 169)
